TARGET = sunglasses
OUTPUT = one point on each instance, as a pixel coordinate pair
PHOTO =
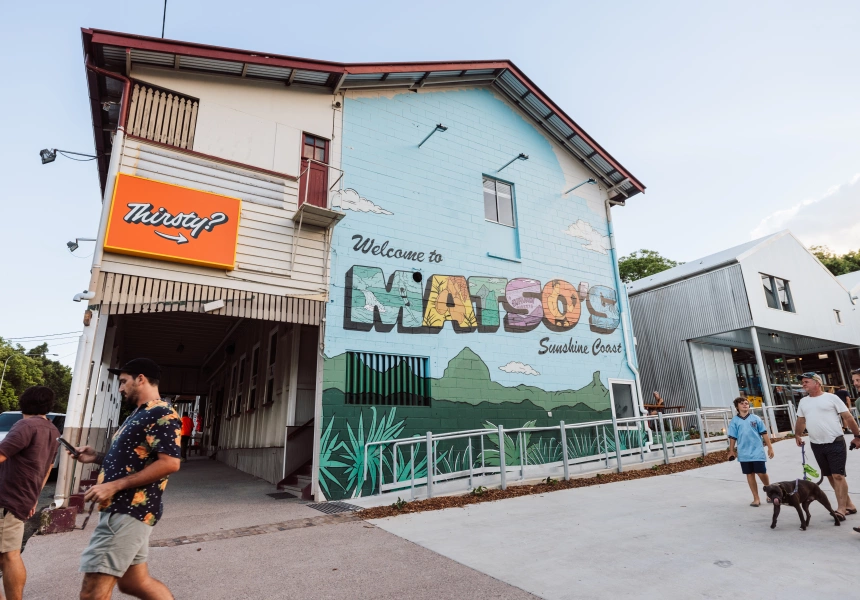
(809, 375)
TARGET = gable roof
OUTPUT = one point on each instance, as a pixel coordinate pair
(700, 265)
(117, 52)
(850, 280)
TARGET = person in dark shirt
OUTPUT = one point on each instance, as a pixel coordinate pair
(26, 457)
(843, 395)
(143, 452)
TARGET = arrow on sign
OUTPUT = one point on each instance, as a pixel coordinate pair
(179, 239)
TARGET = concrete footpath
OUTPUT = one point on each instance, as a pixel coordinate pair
(690, 535)
(222, 537)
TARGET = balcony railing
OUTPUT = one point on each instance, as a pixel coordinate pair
(162, 116)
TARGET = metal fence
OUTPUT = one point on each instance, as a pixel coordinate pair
(492, 456)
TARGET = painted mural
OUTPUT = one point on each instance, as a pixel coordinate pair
(528, 339)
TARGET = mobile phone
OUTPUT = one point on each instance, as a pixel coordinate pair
(69, 447)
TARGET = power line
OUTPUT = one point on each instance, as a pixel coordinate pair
(47, 335)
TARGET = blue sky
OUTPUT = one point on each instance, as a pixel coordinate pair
(741, 118)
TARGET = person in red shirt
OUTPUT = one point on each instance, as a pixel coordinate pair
(187, 429)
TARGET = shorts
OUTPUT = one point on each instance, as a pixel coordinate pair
(119, 542)
(831, 457)
(11, 532)
(753, 466)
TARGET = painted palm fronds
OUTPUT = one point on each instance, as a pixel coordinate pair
(328, 446)
(383, 429)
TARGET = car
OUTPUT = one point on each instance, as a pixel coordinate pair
(10, 417)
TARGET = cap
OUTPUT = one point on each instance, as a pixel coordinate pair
(814, 376)
(139, 366)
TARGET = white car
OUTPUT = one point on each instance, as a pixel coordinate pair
(10, 417)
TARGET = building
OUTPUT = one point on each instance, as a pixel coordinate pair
(709, 329)
(289, 238)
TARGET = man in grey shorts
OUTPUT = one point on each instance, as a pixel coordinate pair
(143, 452)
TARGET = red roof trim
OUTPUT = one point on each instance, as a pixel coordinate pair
(97, 36)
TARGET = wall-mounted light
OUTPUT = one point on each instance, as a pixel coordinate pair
(439, 127)
(587, 181)
(72, 246)
(522, 156)
(49, 155)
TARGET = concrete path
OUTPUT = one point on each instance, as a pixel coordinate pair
(690, 535)
(307, 555)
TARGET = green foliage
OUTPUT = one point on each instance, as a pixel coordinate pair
(512, 448)
(550, 481)
(478, 491)
(399, 504)
(328, 446)
(643, 263)
(31, 367)
(838, 264)
(384, 429)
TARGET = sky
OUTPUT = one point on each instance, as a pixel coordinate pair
(741, 118)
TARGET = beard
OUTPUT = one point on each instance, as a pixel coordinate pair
(130, 397)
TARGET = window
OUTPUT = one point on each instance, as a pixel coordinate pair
(255, 368)
(498, 202)
(315, 148)
(777, 293)
(270, 367)
(838, 316)
(387, 379)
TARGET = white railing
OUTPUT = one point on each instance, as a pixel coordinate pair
(162, 116)
(590, 446)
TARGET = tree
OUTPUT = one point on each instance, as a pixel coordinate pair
(838, 264)
(643, 263)
(31, 367)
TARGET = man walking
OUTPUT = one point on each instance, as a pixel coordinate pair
(824, 415)
(187, 430)
(26, 457)
(134, 474)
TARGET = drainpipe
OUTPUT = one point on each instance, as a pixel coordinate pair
(625, 331)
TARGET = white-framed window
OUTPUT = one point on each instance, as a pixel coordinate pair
(240, 386)
(777, 293)
(838, 315)
(255, 371)
(499, 202)
(270, 366)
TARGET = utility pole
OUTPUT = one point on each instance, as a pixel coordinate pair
(163, 19)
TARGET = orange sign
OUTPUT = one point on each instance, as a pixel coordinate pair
(170, 222)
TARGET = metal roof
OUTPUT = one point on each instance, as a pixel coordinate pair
(119, 51)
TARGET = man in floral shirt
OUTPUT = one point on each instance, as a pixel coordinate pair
(143, 452)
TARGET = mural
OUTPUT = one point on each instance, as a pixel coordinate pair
(464, 397)
(371, 302)
(582, 230)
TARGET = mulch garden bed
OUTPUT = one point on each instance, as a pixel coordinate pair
(514, 491)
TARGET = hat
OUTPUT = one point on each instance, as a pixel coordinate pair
(139, 366)
(814, 376)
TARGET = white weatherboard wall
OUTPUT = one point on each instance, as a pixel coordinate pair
(815, 292)
(265, 228)
(249, 121)
(715, 375)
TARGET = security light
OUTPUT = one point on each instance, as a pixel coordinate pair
(48, 156)
(72, 246)
(587, 181)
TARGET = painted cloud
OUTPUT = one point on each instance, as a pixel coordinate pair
(582, 230)
(351, 200)
(518, 367)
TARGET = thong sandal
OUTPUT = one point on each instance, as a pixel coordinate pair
(851, 511)
(754, 505)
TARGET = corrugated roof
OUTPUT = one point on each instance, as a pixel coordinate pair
(118, 51)
(695, 267)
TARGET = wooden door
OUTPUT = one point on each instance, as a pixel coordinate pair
(313, 184)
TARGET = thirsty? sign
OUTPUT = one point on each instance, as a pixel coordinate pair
(170, 222)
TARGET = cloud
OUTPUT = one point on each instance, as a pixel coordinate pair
(518, 367)
(832, 219)
(582, 230)
(351, 200)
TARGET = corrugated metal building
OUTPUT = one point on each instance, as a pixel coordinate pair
(707, 330)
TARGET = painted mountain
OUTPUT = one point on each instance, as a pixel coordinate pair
(465, 380)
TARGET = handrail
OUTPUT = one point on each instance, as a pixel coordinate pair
(638, 424)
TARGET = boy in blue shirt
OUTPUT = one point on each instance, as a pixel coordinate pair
(746, 432)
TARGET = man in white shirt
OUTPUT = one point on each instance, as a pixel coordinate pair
(824, 415)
